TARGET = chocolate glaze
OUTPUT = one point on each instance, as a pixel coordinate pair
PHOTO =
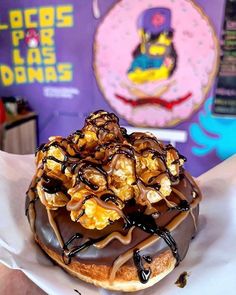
(182, 234)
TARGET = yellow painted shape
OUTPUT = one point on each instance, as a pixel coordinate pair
(142, 76)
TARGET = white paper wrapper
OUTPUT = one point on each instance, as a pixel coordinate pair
(210, 262)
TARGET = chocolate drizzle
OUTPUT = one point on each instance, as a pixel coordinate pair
(182, 206)
(51, 185)
(143, 273)
(125, 150)
(147, 223)
(147, 258)
(87, 182)
(80, 171)
(67, 254)
(63, 163)
(113, 198)
(75, 236)
(40, 148)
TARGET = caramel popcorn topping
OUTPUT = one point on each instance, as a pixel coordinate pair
(95, 170)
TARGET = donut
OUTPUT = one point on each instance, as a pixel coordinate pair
(113, 209)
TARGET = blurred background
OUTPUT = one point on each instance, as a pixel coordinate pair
(165, 66)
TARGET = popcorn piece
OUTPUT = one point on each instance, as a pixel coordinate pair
(172, 161)
(100, 118)
(151, 162)
(55, 159)
(97, 217)
(122, 177)
(57, 147)
(89, 140)
(91, 176)
(96, 178)
(54, 153)
(84, 140)
(153, 196)
(105, 125)
(88, 212)
(51, 200)
(97, 115)
(165, 184)
(143, 141)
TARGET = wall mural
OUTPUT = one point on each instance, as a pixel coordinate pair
(213, 134)
(156, 79)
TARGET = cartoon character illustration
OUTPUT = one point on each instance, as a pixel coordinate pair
(155, 57)
(161, 76)
(213, 133)
(32, 38)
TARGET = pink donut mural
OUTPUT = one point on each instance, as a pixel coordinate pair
(155, 61)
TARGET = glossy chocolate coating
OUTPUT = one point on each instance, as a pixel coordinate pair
(106, 256)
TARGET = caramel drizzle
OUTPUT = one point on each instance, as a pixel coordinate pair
(30, 209)
(55, 227)
(199, 194)
(122, 259)
(194, 219)
(193, 183)
(182, 197)
(125, 240)
(144, 189)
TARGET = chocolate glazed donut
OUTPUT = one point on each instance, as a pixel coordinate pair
(147, 240)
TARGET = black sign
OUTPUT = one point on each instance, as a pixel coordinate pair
(225, 95)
